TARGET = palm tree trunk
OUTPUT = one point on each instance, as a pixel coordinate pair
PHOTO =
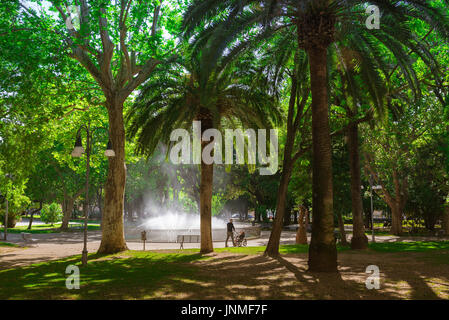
(359, 239)
(322, 250)
(113, 236)
(206, 185)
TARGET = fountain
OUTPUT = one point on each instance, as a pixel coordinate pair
(166, 227)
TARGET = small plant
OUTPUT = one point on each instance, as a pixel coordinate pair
(51, 213)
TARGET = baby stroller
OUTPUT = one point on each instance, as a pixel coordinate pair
(240, 240)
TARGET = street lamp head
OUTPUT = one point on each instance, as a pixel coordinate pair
(78, 150)
(109, 151)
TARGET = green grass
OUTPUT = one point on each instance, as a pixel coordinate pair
(80, 220)
(147, 274)
(415, 246)
(283, 249)
(48, 228)
(128, 275)
(7, 244)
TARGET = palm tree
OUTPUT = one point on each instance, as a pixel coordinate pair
(225, 95)
(319, 23)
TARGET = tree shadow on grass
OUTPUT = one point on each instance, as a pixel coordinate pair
(148, 275)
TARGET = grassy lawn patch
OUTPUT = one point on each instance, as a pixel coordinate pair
(283, 249)
(7, 244)
(48, 228)
(128, 275)
(179, 274)
(415, 246)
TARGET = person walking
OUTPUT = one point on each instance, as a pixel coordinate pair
(230, 233)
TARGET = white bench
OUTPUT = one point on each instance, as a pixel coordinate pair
(187, 238)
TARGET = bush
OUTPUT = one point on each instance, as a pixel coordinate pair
(13, 217)
(51, 213)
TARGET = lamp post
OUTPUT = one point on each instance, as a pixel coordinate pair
(78, 150)
(372, 208)
(6, 219)
(9, 176)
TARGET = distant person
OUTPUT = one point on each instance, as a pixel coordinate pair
(230, 233)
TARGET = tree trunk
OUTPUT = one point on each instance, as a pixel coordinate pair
(113, 236)
(322, 250)
(67, 209)
(272, 249)
(445, 221)
(287, 217)
(100, 198)
(341, 227)
(206, 186)
(301, 235)
(359, 239)
(32, 215)
(396, 219)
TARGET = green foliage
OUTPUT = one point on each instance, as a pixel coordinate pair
(51, 213)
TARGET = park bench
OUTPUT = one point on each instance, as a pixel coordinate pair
(27, 238)
(187, 238)
(76, 225)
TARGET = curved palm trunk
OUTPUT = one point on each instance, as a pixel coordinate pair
(206, 185)
(322, 250)
(113, 236)
(272, 249)
(359, 239)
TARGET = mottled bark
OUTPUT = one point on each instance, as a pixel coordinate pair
(113, 236)
(67, 209)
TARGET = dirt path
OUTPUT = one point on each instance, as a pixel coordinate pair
(60, 245)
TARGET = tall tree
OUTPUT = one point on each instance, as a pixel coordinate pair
(318, 24)
(119, 46)
(206, 95)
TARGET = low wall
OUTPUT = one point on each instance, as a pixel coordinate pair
(157, 235)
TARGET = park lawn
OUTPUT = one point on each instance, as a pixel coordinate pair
(128, 275)
(8, 244)
(238, 273)
(47, 228)
(412, 246)
(283, 249)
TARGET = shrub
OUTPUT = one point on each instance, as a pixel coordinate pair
(51, 213)
(13, 217)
